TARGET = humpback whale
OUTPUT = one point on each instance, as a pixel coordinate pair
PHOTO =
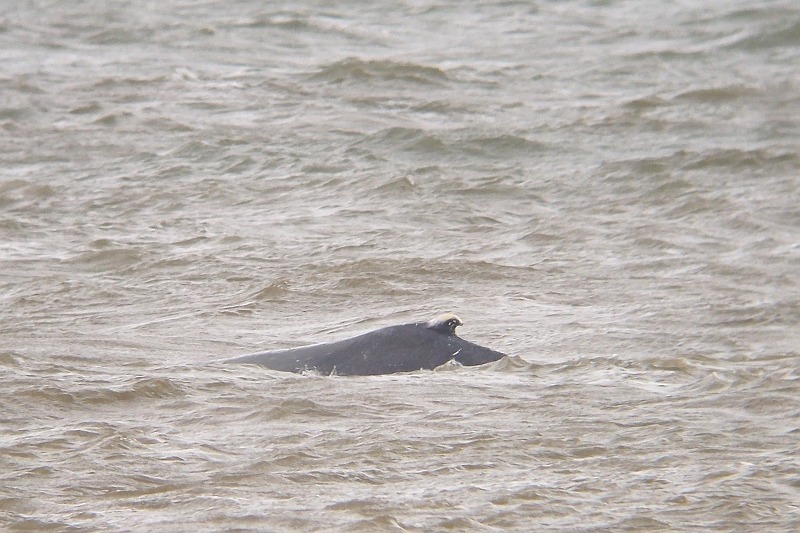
(400, 348)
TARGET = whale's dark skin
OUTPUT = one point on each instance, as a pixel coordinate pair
(403, 348)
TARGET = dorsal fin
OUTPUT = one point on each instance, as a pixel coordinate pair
(445, 323)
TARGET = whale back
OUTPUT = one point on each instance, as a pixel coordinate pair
(401, 348)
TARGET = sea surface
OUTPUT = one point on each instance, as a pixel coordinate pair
(608, 191)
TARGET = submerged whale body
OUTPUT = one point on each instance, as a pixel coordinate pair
(402, 348)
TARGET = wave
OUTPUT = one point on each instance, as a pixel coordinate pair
(452, 144)
(718, 94)
(71, 394)
(355, 70)
(109, 259)
(289, 21)
(787, 35)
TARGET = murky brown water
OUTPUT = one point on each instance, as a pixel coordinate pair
(606, 190)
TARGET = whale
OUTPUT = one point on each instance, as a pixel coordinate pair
(392, 349)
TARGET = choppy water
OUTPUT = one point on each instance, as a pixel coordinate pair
(607, 190)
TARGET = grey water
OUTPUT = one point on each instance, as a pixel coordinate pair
(606, 190)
